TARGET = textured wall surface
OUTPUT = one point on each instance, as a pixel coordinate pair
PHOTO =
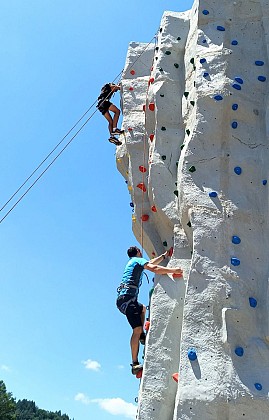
(195, 157)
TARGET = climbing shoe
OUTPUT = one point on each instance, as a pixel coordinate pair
(142, 338)
(118, 131)
(136, 367)
(114, 140)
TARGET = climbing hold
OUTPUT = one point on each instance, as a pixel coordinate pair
(147, 325)
(145, 217)
(151, 106)
(218, 97)
(132, 72)
(252, 302)
(176, 65)
(130, 129)
(170, 251)
(206, 74)
(239, 351)
(178, 38)
(203, 60)
(142, 168)
(164, 243)
(192, 60)
(131, 88)
(153, 208)
(235, 261)
(238, 170)
(153, 254)
(188, 132)
(220, 28)
(176, 192)
(258, 386)
(175, 377)
(192, 354)
(161, 69)
(142, 187)
(204, 41)
(151, 137)
(151, 80)
(234, 42)
(239, 80)
(213, 194)
(181, 147)
(236, 86)
(192, 103)
(262, 78)
(186, 94)
(264, 182)
(163, 157)
(161, 95)
(131, 204)
(259, 63)
(235, 107)
(167, 52)
(144, 108)
(192, 169)
(130, 188)
(234, 124)
(163, 129)
(133, 218)
(236, 240)
(139, 374)
(189, 224)
(205, 12)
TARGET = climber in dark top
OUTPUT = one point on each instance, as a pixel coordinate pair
(104, 105)
(128, 292)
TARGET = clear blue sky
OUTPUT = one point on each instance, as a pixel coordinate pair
(63, 248)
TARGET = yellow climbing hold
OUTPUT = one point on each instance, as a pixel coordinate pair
(133, 218)
(130, 188)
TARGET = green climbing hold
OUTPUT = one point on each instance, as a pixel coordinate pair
(163, 157)
(186, 94)
(192, 103)
(192, 60)
(192, 169)
(164, 243)
(161, 95)
(189, 224)
(167, 52)
(163, 129)
(188, 132)
(176, 65)
(178, 38)
(181, 147)
(176, 193)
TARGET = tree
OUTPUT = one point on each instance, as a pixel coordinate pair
(7, 403)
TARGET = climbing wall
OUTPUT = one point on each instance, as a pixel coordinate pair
(195, 158)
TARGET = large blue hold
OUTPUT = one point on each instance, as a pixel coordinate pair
(206, 74)
(235, 261)
(264, 182)
(234, 124)
(192, 354)
(239, 351)
(220, 28)
(259, 63)
(235, 107)
(261, 78)
(218, 97)
(236, 86)
(203, 60)
(236, 240)
(239, 80)
(205, 12)
(213, 194)
(234, 42)
(253, 302)
(238, 170)
(258, 386)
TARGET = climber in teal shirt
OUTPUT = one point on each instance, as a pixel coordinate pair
(128, 292)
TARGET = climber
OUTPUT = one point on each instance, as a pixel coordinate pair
(104, 105)
(128, 292)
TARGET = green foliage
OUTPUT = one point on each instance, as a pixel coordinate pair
(7, 403)
(27, 410)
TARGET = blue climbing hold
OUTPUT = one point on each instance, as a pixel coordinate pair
(261, 78)
(236, 86)
(234, 124)
(236, 240)
(239, 80)
(131, 204)
(238, 170)
(206, 74)
(264, 182)
(235, 107)
(218, 97)
(252, 302)
(259, 63)
(239, 351)
(235, 261)
(204, 41)
(203, 60)
(258, 386)
(192, 354)
(205, 12)
(220, 28)
(234, 42)
(213, 194)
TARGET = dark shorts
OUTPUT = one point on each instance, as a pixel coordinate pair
(103, 106)
(129, 306)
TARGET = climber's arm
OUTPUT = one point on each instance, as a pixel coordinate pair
(157, 269)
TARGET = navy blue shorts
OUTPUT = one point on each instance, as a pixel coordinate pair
(129, 306)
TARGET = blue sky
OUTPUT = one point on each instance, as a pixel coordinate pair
(63, 248)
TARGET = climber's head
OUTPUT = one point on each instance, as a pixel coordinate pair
(133, 251)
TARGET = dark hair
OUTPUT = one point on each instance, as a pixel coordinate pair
(132, 251)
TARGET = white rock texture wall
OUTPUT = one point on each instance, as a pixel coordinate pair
(195, 111)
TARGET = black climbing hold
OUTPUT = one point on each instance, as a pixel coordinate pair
(189, 224)
(258, 386)
(181, 147)
(206, 74)
(176, 193)
(235, 107)
(157, 48)
(213, 194)
(218, 97)
(167, 52)
(235, 261)
(161, 95)
(192, 60)
(186, 94)
(161, 29)
(163, 157)
(163, 129)
(264, 182)
(238, 170)
(220, 28)
(188, 132)
(176, 65)
(131, 204)
(236, 240)
(234, 42)
(178, 38)
(236, 86)
(160, 69)
(192, 169)
(156, 58)
(259, 63)
(205, 12)
(176, 164)
(262, 78)
(192, 103)
(234, 124)
(164, 243)
(253, 302)
(239, 351)
(239, 80)
(192, 354)
(203, 60)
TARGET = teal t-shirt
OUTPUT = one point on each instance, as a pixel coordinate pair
(132, 277)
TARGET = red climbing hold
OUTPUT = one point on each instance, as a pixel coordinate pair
(175, 377)
(151, 69)
(132, 72)
(144, 108)
(170, 251)
(142, 187)
(153, 208)
(139, 374)
(130, 129)
(142, 168)
(153, 254)
(151, 107)
(151, 80)
(145, 217)
(151, 136)
(175, 276)
(131, 88)
(147, 325)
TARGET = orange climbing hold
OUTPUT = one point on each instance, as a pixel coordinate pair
(132, 71)
(175, 276)
(153, 254)
(145, 217)
(139, 374)
(170, 251)
(142, 168)
(153, 208)
(151, 106)
(151, 80)
(151, 136)
(147, 325)
(142, 187)
(175, 377)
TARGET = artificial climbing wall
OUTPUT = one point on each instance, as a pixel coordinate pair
(195, 158)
